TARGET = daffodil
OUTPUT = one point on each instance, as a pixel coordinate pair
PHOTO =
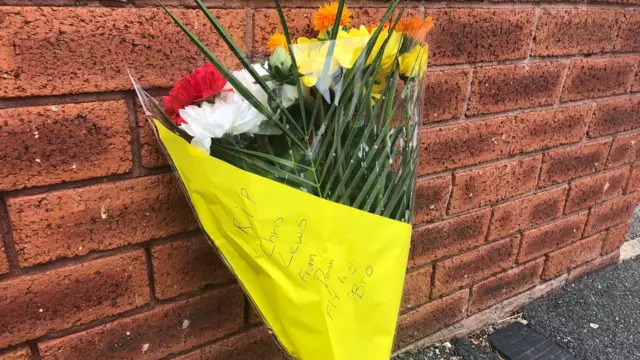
(311, 57)
(390, 51)
(414, 62)
(349, 46)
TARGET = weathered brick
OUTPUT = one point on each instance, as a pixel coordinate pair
(431, 317)
(591, 78)
(575, 31)
(628, 37)
(625, 149)
(472, 35)
(87, 48)
(501, 88)
(4, 264)
(634, 178)
(45, 145)
(569, 163)
(505, 285)
(431, 198)
(596, 189)
(53, 300)
(150, 152)
(528, 211)
(594, 265)
(449, 147)
(548, 128)
(474, 265)
(251, 345)
(551, 237)
(98, 217)
(157, 333)
(448, 237)
(635, 86)
(23, 353)
(417, 285)
(186, 265)
(613, 116)
(616, 237)
(559, 262)
(445, 94)
(493, 183)
(611, 213)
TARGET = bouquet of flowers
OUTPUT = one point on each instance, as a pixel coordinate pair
(301, 171)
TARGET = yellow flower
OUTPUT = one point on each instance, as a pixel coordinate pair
(349, 45)
(390, 51)
(414, 63)
(376, 93)
(275, 41)
(324, 18)
(311, 56)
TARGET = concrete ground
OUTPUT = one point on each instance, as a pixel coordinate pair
(595, 318)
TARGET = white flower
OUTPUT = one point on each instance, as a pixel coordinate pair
(231, 113)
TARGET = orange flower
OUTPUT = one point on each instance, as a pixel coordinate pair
(415, 28)
(275, 41)
(324, 18)
(373, 27)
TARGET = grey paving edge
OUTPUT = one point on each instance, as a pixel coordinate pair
(487, 317)
(630, 249)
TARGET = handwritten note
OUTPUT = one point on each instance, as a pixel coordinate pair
(327, 279)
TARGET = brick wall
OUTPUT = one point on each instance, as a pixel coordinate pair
(530, 170)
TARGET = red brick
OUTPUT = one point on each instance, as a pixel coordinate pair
(528, 211)
(628, 37)
(183, 266)
(636, 82)
(157, 333)
(53, 300)
(23, 353)
(144, 39)
(431, 317)
(593, 78)
(493, 183)
(45, 145)
(594, 265)
(445, 94)
(99, 217)
(575, 31)
(465, 269)
(417, 285)
(4, 264)
(611, 213)
(548, 128)
(501, 88)
(448, 237)
(569, 163)
(431, 198)
(596, 189)
(505, 285)
(616, 237)
(449, 147)
(625, 149)
(472, 35)
(251, 345)
(150, 152)
(613, 116)
(634, 178)
(254, 316)
(559, 262)
(551, 237)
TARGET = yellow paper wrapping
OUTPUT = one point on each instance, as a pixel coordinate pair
(326, 278)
